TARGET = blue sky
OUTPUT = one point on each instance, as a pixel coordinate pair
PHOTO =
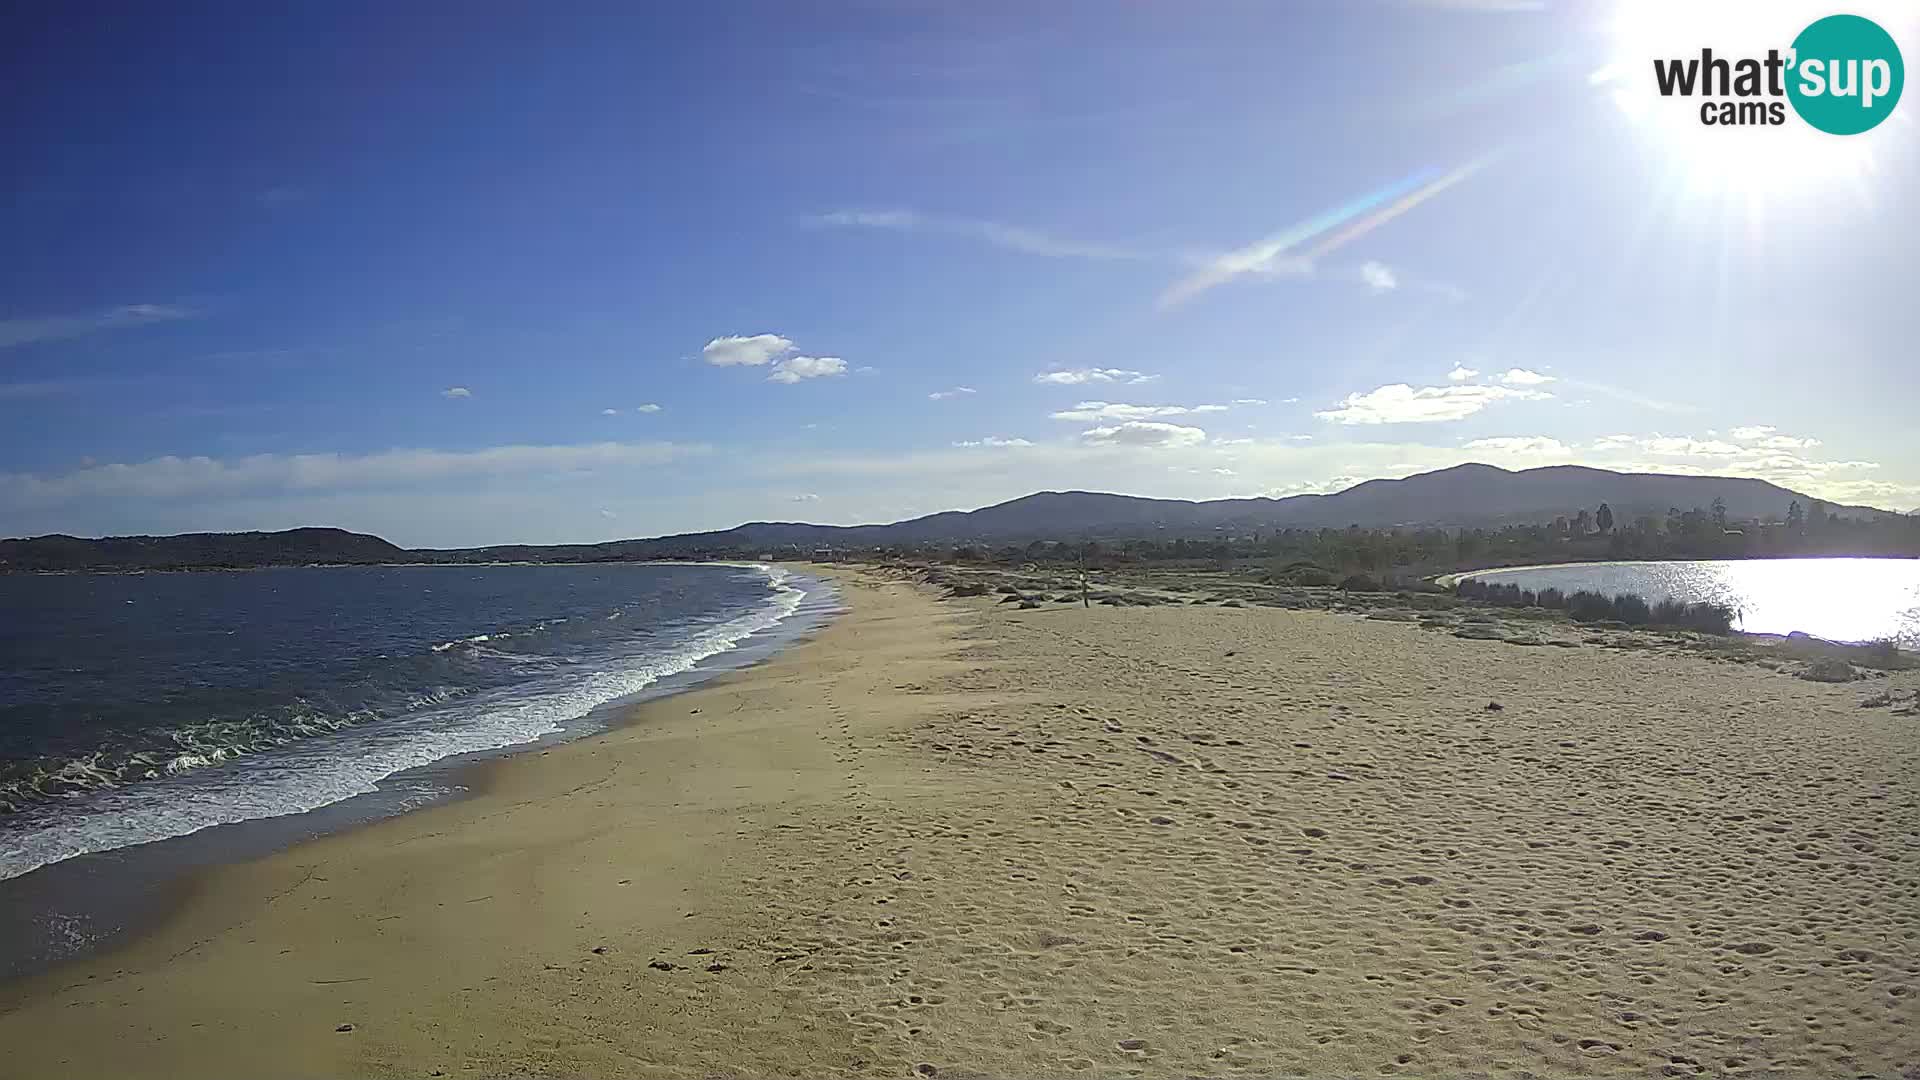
(424, 276)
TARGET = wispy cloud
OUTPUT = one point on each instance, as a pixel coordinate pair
(1629, 396)
(1093, 411)
(942, 395)
(455, 393)
(1399, 403)
(995, 441)
(41, 388)
(1668, 445)
(60, 327)
(1080, 376)
(1010, 237)
(179, 477)
(1263, 259)
(1531, 445)
(649, 407)
(795, 368)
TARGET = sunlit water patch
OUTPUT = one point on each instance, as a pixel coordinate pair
(1838, 599)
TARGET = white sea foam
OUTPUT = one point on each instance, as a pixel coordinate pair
(331, 766)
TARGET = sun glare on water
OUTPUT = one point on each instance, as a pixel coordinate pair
(1760, 164)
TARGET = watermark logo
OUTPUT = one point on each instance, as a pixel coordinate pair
(1843, 75)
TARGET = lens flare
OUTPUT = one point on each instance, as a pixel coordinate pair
(1751, 164)
(1273, 252)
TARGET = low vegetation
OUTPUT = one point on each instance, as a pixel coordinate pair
(1587, 607)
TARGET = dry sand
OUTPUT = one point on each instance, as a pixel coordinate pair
(959, 839)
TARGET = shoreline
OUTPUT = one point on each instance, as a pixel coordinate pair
(955, 836)
(220, 908)
(95, 902)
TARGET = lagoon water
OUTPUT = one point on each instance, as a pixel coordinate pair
(1837, 599)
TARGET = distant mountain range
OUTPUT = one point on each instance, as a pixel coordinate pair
(1463, 496)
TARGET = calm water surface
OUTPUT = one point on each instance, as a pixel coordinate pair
(1837, 599)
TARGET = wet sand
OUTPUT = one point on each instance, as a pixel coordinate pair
(952, 838)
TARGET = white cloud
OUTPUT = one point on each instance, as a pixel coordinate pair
(178, 477)
(649, 407)
(1461, 373)
(1378, 276)
(1092, 411)
(1769, 438)
(1144, 433)
(454, 393)
(609, 412)
(58, 327)
(794, 368)
(1399, 403)
(734, 350)
(803, 497)
(1009, 237)
(1530, 445)
(994, 441)
(1523, 377)
(1683, 446)
(1079, 376)
(942, 395)
(1249, 401)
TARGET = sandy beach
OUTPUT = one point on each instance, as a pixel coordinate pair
(959, 838)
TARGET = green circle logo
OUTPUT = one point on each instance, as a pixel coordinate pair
(1847, 74)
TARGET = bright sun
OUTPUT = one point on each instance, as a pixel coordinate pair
(1760, 163)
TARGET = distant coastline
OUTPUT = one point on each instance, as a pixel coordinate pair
(1486, 512)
